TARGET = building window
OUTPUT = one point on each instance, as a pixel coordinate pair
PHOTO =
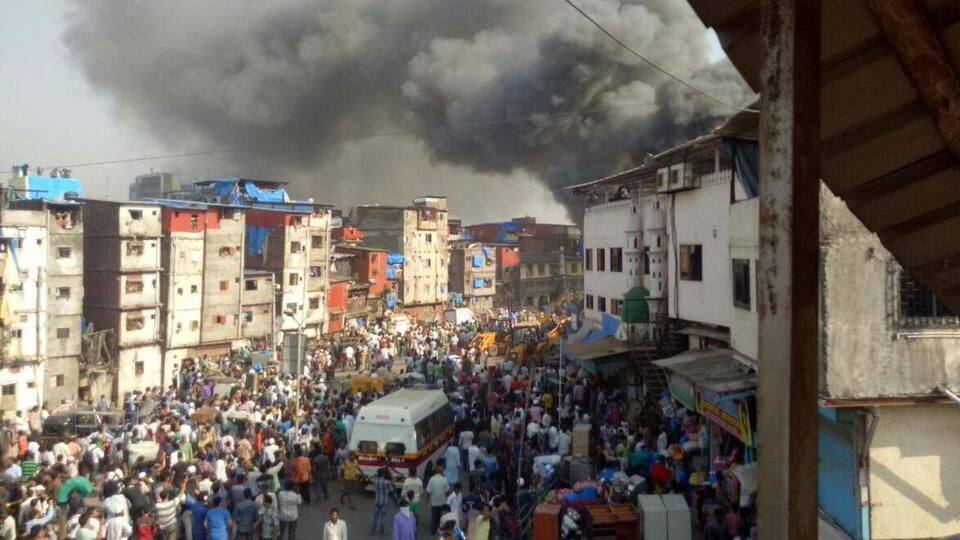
(919, 306)
(250, 285)
(8, 390)
(138, 368)
(194, 325)
(247, 316)
(316, 271)
(615, 306)
(429, 238)
(226, 251)
(589, 258)
(601, 259)
(63, 333)
(616, 259)
(63, 293)
(135, 322)
(315, 302)
(224, 285)
(292, 306)
(741, 283)
(601, 304)
(221, 319)
(295, 247)
(589, 301)
(691, 262)
(136, 214)
(541, 270)
(193, 289)
(58, 380)
(63, 252)
(316, 242)
(16, 333)
(134, 248)
(294, 278)
(179, 327)
(179, 291)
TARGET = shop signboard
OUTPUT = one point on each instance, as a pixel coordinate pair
(683, 391)
(730, 414)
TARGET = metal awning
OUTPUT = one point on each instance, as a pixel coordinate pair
(606, 356)
(601, 348)
(719, 370)
(888, 139)
(703, 331)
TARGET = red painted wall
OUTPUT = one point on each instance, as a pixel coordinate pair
(371, 267)
(348, 234)
(508, 256)
(270, 219)
(337, 296)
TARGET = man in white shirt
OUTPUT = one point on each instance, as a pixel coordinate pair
(413, 484)
(437, 489)
(564, 441)
(335, 528)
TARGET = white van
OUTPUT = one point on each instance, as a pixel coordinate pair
(413, 427)
(458, 315)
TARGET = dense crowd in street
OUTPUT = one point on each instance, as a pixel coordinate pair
(192, 461)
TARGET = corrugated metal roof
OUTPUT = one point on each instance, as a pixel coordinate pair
(881, 150)
(720, 370)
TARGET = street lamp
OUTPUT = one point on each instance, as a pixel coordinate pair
(296, 413)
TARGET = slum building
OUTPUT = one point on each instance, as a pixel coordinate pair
(223, 267)
(258, 315)
(418, 236)
(473, 275)
(122, 291)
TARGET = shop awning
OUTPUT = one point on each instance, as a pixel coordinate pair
(605, 355)
(719, 370)
(703, 331)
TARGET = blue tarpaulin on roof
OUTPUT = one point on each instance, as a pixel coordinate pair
(261, 195)
(745, 157)
(478, 261)
(395, 258)
(256, 239)
(50, 188)
(488, 252)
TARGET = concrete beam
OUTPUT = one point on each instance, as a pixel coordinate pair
(923, 58)
(788, 361)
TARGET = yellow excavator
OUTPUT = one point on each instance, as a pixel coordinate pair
(522, 340)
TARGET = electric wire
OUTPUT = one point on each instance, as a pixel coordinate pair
(655, 65)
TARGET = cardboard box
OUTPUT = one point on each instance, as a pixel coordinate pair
(678, 517)
(653, 515)
(581, 440)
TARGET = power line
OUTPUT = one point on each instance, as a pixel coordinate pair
(655, 65)
(229, 150)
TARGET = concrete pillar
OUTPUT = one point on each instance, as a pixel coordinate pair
(789, 268)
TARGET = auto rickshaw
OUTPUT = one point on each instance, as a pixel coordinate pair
(77, 423)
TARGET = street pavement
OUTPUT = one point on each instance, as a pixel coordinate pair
(313, 516)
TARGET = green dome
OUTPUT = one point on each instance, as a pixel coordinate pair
(635, 307)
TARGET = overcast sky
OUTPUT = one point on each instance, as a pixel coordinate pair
(53, 117)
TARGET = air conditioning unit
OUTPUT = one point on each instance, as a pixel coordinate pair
(675, 178)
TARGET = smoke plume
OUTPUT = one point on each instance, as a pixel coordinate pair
(489, 86)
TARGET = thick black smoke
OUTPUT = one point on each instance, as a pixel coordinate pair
(487, 85)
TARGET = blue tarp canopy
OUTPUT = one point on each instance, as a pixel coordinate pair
(50, 188)
(395, 258)
(478, 261)
(488, 252)
(261, 195)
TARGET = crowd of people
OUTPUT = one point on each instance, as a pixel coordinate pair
(200, 462)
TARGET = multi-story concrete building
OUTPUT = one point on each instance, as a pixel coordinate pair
(223, 266)
(259, 308)
(420, 234)
(122, 290)
(290, 239)
(473, 275)
(159, 185)
(293, 244)
(42, 257)
(549, 273)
